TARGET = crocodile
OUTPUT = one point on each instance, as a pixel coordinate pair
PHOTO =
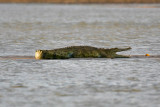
(80, 52)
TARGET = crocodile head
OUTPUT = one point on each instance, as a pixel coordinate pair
(38, 54)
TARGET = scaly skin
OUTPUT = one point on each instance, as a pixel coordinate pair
(80, 52)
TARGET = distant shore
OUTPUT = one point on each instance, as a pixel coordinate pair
(79, 1)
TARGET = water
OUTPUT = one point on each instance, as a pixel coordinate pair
(133, 82)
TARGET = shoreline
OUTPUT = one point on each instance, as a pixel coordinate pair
(108, 5)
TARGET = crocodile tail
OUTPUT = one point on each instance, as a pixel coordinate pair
(122, 49)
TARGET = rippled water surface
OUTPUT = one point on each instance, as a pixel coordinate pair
(133, 82)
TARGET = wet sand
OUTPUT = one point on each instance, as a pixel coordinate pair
(32, 57)
(16, 57)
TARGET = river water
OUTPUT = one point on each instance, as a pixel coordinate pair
(133, 82)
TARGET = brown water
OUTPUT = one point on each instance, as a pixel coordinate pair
(133, 82)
